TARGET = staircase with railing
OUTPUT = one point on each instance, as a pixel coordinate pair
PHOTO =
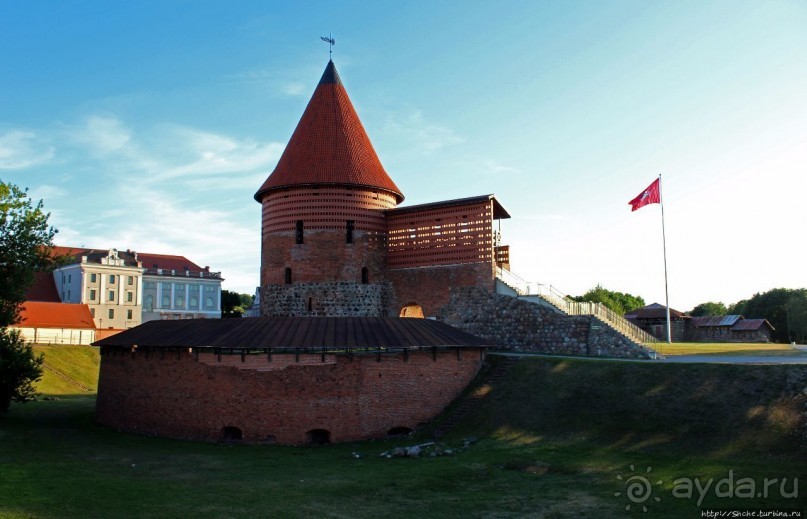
(551, 295)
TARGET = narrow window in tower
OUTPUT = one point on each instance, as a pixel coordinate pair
(299, 233)
(365, 275)
(287, 276)
(310, 303)
(349, 233)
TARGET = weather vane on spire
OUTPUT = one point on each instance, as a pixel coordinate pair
(331, 43)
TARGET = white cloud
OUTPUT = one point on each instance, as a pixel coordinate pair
(289, 82)
(172, 152)
(497, 168)
(422, 134)
(21, 149)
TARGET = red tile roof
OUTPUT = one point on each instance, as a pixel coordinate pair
(168, 262)
(147, 259)
(37, 314)
(43, 289)
(329, 145)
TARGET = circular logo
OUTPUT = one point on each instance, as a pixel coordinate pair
(637, 488)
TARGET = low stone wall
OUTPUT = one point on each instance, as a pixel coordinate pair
(331, 299)
(512, 324)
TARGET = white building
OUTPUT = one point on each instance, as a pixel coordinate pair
(125, 288)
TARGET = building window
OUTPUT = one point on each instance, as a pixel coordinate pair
(298, 235)
(128, 314)
(111, 295)
(287, 276)
(310, 303)
(179, 295)
(92, 295)
(70, 278)
(129, 297)
(349, 232)
(111, 279)
(92, 312)
(68, 295)
(130, 280)
(111, 313)
(365, 275)
(210, 297)
(93, 278)
(148, 303)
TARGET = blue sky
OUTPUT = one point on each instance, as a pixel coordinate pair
(150, 125)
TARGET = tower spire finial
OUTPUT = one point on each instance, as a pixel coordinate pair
(331, 43)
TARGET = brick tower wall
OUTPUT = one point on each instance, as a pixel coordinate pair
(175, 394)
(324, 254)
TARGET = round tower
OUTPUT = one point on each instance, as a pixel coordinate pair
(323, 229)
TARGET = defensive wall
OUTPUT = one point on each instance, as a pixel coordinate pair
(290, 399)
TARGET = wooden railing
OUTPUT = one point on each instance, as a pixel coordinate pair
(556, 298)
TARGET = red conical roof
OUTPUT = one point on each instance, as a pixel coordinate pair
(329, 145)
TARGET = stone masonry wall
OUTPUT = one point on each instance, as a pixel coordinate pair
(512, 324)
(330, 299)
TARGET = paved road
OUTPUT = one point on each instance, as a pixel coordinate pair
(733, 359)
(682, 359)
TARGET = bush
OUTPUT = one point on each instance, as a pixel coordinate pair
(20, 368)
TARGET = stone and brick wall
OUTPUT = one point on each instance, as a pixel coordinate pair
(175, 394)
(512, 324)
(430, 287)
(330, 299)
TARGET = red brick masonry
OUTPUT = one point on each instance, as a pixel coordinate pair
(180, 394)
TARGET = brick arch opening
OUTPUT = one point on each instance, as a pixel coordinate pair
(412, 310)
(231, 433)
(399, 431)
(318, 437)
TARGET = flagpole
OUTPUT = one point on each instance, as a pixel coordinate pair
(664, 244)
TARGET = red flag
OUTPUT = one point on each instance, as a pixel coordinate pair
(651, 195)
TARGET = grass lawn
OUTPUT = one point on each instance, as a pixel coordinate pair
(72, 368)
(554, 436)
(728, 348)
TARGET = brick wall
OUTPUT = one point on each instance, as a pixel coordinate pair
(512, 324)
(430, 287)
(174, 394)
(323, 256)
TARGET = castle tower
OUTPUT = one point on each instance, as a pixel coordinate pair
(323, 228)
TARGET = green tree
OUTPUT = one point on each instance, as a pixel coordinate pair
(234, 304)
(710, 308)
(25, 247)
(25, 241)
(784, 308)
(619, 302)
(20, 368)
